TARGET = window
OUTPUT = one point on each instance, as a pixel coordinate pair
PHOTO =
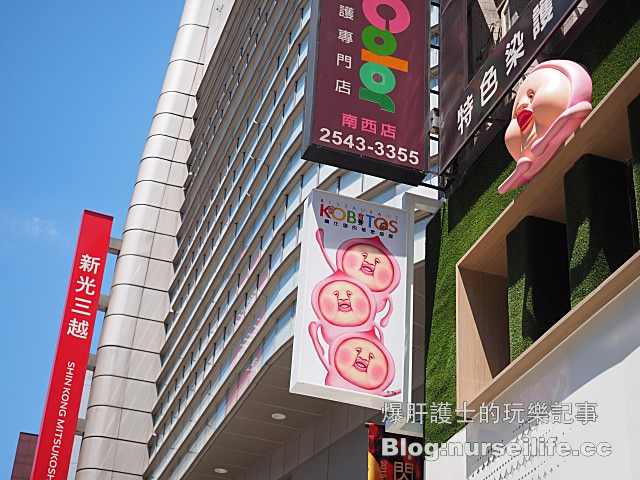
(433, 85)
(484, 25)
(505, 16)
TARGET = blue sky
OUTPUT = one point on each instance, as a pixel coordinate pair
(78, 86)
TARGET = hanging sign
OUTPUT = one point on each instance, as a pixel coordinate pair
(60, 417)
(351, 322)
(365, 97)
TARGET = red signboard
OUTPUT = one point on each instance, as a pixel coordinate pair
(466, 106)
(72, 353)
(365, 98)
(397, 463)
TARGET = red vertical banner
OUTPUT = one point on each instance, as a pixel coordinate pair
(60, 416)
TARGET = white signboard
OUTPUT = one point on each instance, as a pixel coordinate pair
(351, 326)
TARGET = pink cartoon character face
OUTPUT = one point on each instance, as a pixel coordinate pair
(343, 301)
(371, 263)
(343, 304)
(358, 362)
(361, 362)
(550, 105)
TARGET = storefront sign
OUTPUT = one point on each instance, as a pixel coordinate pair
(351, 324)
(506, 64)
(59, 420)
(365, 98)
(391, 458)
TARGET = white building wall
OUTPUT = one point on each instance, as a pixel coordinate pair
(332, 448)
(599, 364)
(118, 424)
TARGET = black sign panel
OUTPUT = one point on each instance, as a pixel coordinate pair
(497, 76)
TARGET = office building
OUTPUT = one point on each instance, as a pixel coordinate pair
(192, 371)
(23, 459)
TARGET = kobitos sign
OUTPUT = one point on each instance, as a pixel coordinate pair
(351, 326)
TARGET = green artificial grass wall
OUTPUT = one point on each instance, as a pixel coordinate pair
(608, 47)
(538, 279)
(634, 129)
(465, 216)
(600, 235)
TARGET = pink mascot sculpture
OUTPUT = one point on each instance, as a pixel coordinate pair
(550, 105)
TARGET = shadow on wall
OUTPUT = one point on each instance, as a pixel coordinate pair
(599, 230)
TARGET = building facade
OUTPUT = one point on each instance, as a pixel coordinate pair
(531, 295)
(192, 369)
(25, 453)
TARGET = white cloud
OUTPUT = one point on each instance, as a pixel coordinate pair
(29, 225)
(37, 227)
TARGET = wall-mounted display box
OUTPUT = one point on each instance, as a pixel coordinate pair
(483, 365)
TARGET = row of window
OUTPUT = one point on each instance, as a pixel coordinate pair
(279, 333)
(240, 198)
(276, 220)
(215, 240)
(221, 245)
(233, 193)
(246, 259)
(202, 365)
(267, 90)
